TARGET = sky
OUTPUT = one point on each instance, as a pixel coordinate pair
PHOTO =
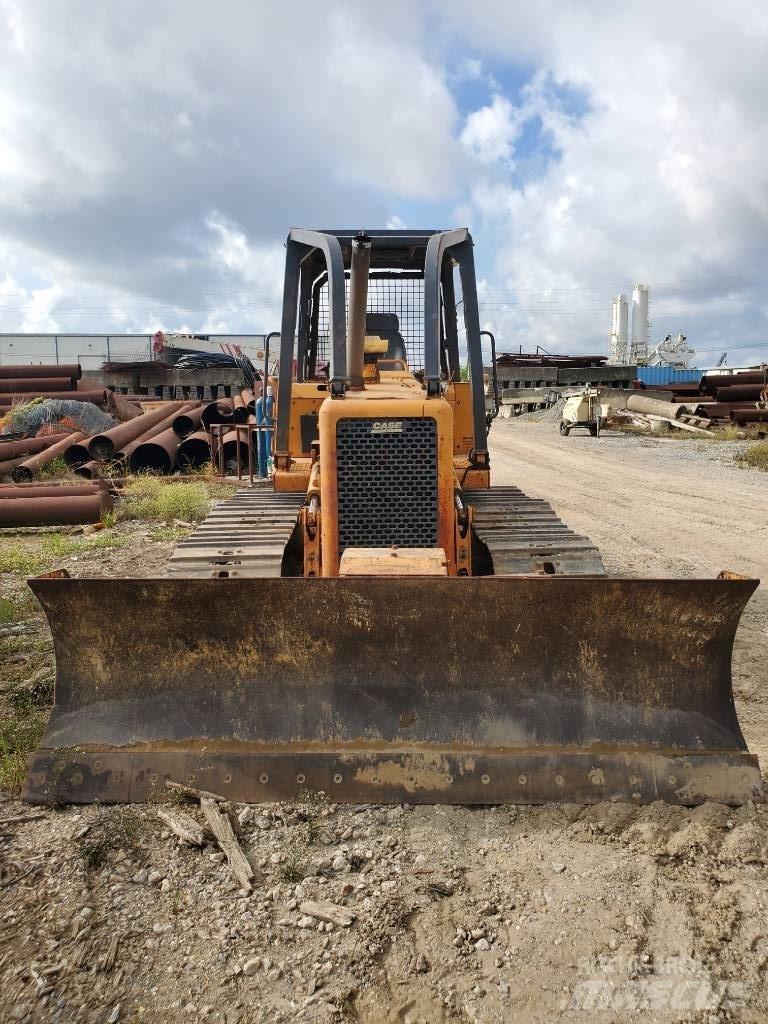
(154, 155)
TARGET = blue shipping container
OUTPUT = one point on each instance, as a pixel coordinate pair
(651, 375)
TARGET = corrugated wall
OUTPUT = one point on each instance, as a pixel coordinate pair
(666, 375)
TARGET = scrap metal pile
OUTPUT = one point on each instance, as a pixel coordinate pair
(101, 435)
(725, 397)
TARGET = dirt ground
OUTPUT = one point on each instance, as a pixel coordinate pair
(610, 912)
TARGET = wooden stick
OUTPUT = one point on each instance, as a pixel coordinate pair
(325, 911)
(222, 830)
(186, 828)
(21, 817)
(194, 794)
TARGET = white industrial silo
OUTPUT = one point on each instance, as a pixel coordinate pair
(638, 349)
(618, 336)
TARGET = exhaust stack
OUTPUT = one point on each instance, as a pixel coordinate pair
(358, 302)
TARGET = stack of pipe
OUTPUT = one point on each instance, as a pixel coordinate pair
(20, 384)
(14, 453)
(52, 505)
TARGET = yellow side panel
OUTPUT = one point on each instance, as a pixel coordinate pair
(306, 400)
(459, 395)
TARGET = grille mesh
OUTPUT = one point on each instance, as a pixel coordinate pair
(387, 482)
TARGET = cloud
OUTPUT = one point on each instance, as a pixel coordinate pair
(152, 159)
(123, 132)
(490, 131)
(662, 176)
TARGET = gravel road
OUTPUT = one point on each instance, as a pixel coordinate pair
(603, 913)
(658, 507)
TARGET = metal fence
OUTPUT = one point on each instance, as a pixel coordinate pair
(91, 350)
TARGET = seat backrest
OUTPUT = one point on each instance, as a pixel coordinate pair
(386, 325)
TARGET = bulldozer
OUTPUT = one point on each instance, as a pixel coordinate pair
(383, 623)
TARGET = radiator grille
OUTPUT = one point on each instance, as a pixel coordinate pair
(387, 482)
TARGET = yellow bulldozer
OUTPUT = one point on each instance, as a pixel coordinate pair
(383, 624)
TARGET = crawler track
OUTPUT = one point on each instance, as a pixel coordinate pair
(523, 535)
(243, 537)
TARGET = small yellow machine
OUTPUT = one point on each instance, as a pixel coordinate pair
(385, 624)
(582, 410)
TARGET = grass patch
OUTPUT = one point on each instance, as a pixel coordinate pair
(47, 549)
(16, 608)
(148, 497)
(730, 433)
(170, 532)
(54, 469)
(22, 563)
(21, 731)
(756, 456)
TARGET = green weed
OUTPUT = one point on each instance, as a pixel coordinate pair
(16, 608)
(150, 498)
(116, 828)
(55, 468)
(756, 456)
(21, 562)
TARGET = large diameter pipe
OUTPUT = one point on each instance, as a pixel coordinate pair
(194, 451)
(30, 466)
(55, 511)
(745, 393)
(48, 490)
(71, 370)
(235, 450)
(103, 446)
(218, 412)
(121, 408)
(158, 454)
(32, 385)
(750, 415)
(89, 470)
(187, 423)
(77, 455)
(28, 445)
(653, 406)
(358, 303)
(96, 397)
(240, 409)
(125, 453)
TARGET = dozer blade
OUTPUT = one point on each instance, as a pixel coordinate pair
(485, 690)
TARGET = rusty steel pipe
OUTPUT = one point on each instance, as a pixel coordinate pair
(55, 511)
(157, 454)
(194, 451)
(124, 455)
(27, 385)
(235, 450)
(76, 455)
(218, 412)
(240, 409)
(103, 446)
(72, 370)
(28, 445)
(742, 416)
(249, 398)
(7, 467)
(65, 490)
(27, 469)
(89, 470)
(121, 408)
(96, 397)
(744, 393)
(187, 423)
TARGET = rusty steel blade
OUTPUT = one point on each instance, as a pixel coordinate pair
(475, 690)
